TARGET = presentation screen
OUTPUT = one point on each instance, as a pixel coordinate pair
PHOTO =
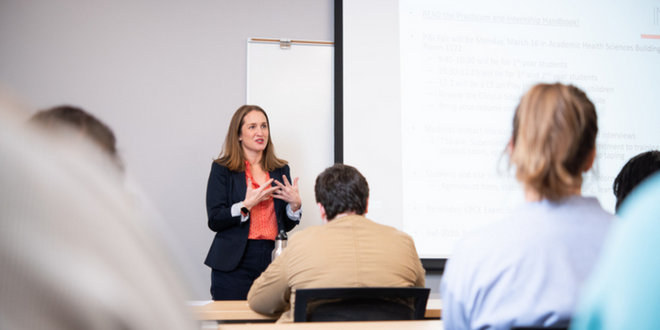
(430, 89)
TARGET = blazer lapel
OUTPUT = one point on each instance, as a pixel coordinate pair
(241, 186)
(277, 175)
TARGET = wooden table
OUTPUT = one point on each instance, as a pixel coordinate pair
(372, 325)
(239, 310)
(433, 309)
(226, 310)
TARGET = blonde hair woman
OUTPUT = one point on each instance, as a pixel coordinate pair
(249, 200)
(528, 269)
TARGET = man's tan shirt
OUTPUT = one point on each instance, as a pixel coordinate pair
(350, 251)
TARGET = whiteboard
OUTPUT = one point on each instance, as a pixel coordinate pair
(295, 87)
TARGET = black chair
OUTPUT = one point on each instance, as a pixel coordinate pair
(360, 304)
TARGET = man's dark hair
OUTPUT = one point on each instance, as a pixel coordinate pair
(340, 189)
(80, 121)
(633, 173)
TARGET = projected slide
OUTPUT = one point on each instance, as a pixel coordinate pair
(463, 67)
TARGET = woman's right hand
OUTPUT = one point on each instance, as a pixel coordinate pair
(256, 196)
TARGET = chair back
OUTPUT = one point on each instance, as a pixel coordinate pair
(360, 304)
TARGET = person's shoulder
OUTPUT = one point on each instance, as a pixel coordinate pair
(217, 169)
(307, 231)
(303, 236)
(216, 165)
(284, 169)
(592, 213)
(382, 229)
(500, 238)
(221, 172)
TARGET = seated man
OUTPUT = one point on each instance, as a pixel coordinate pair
(348, 250)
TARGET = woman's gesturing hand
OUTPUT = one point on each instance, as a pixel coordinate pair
(255, 196)
(288, 193)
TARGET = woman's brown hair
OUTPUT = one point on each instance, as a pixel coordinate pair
(232, 156)
(554, 133)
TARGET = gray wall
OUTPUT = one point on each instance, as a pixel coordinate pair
(165, 75)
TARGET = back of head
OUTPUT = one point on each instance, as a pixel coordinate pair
(554, 133)
(78, 120)
(633, 173)
(341, 189)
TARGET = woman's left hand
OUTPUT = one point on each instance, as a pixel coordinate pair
(288, 193)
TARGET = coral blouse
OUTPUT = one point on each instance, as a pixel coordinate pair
(263, 222)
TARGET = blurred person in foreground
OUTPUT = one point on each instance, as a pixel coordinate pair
(74, 253)
(636, 170)
(527, 269)
(348, 250)
(78, 128)
(624, 291)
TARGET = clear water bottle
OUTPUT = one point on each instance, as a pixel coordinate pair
(280, 244)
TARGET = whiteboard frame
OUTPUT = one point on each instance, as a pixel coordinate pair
(299, 120)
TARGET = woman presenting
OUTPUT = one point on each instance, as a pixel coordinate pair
(249, 200)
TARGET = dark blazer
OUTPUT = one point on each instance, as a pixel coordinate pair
(226, 188)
